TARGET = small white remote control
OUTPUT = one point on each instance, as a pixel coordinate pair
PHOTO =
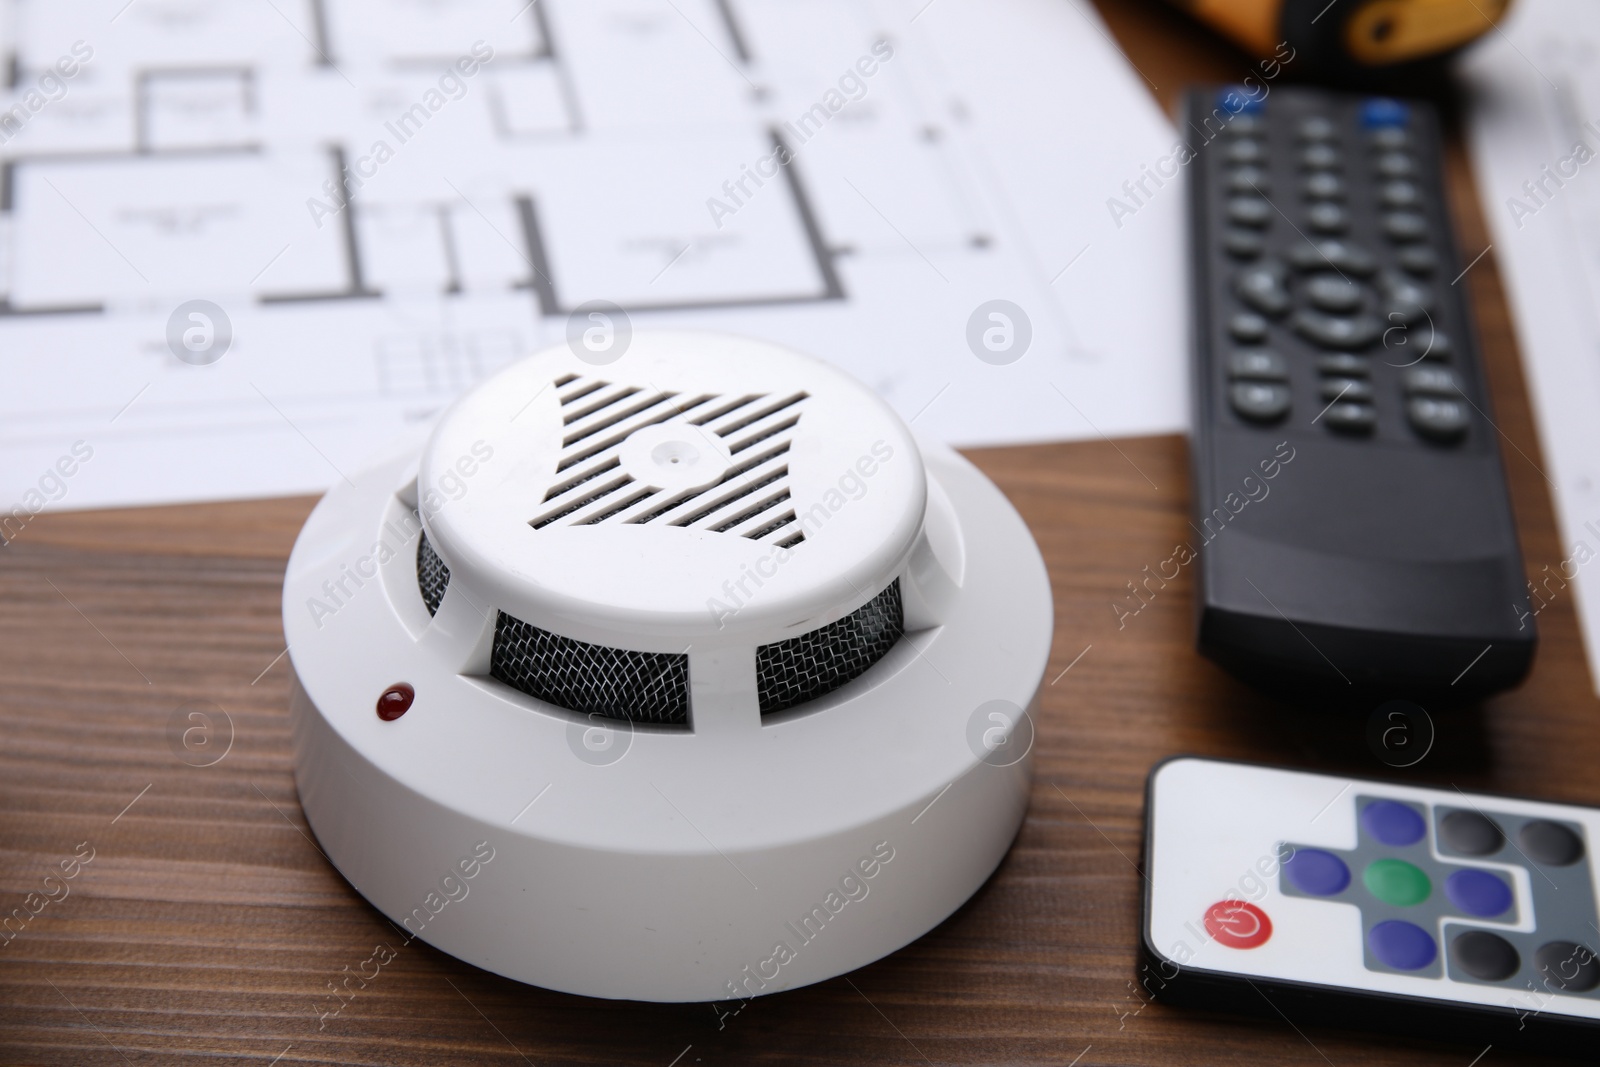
(1430, 912)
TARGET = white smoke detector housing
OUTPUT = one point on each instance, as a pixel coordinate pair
(692, 676)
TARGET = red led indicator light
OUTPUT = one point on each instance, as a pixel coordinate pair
(395, 701)
(1238, 924)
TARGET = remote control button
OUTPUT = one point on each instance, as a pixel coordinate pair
(1380, 112)
(1391, 138)
(1400, 194)
(1243, 244)
(1357, 390)
(1432, 381)
(1419, 259)
(1258, 364)
(1567, 966)
(1432, 344)
(1332, 254)
(1333, 292)
(1437, 419)
(1402, 945)
(1405, 301)
(1485, 956)
(1397, 882)
(1259, 401)
(1319, 873)
(1237, 924)
(1248, 180)
(1325, 185)
(1550, 843)
(1393, 823)
(1244, 124)
(1405, 226)
(1478, 893)
(1333, 331)
(1265, 288)
(1249, 211)
(1327, 217)
(1344, 364)
(1470, 833)
(1352, 418)
(1320, 157)
(1246, 150)
(1248, 327)
(1394, 165)
(1317, 128)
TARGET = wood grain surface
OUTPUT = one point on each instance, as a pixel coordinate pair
(207, 927)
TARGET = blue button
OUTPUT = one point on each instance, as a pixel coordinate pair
(1478, 893)
(1238, 100)
(1393, 823)
(1381, 111)
(1322, 874)
(1402, 945)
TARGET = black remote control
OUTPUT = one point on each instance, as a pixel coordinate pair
(1353, 521)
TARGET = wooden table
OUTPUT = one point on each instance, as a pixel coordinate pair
(207, 925)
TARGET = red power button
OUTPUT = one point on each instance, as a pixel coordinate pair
(1238, 924)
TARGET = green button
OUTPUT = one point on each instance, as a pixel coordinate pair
(1396, 882)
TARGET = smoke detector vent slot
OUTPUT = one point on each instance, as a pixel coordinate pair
(750, 434)
(615, 683)
(814, 664)
(433, 577)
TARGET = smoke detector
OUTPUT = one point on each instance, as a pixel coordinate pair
(685, 677)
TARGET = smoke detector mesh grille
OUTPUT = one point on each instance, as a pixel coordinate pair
(616, 683)
(751, 499)
(812, 665)
(433, 577)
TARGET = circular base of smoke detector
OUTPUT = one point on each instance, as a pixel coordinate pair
(832, 752)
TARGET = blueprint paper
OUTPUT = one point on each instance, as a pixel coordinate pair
(1535, 140)
(387, 200)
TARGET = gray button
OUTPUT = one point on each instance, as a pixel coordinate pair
(1325, 185)
(1350, 417)
(1432, 381)
(1405, 301)
(1243, 244)
(1264, 288)
(1321, 157)
(1433, 344)
(1249, 211)
(1407, 348)
(1331, 253)
(1317, 128)
(1244, 125)
(1343, 365)
(1352, 389)
(1327, 217)
(1259, 401)
(1248, 180)
(1436, 418)
(1333, 292)
(1246, 150)
(1247, 326)
(1419, 259)
(1394, 165)
(1400, 194)
(1333, 331)
(1391, 138)
(1405, 226)
(1258, 364)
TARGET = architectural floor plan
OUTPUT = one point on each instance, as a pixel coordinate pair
(389, 199)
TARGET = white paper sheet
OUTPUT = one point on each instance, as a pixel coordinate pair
(192, 152)
(1535, 139)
